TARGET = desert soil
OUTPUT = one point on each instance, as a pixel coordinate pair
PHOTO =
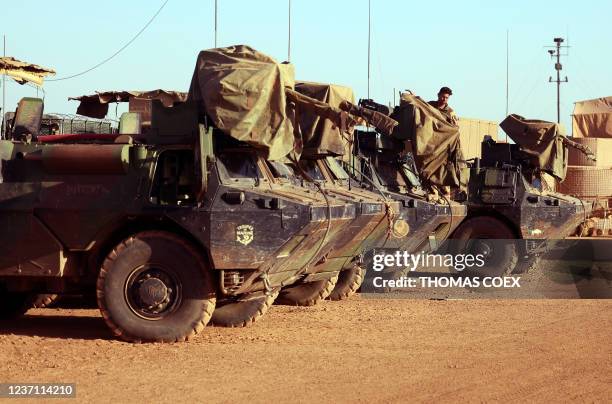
(360, 350)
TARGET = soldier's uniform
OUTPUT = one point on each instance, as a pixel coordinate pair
(447, 111)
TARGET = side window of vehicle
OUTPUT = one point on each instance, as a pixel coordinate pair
(174, 180)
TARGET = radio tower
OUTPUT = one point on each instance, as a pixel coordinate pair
(555, 52)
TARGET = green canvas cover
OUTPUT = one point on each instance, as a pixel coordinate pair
(323, 136)
(435, 143)
(544, 141)
(243, 92)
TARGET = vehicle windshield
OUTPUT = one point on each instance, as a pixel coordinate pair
(312, 169)
(239, 165)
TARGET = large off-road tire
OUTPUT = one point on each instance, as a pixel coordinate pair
(155, 287)
(13, 305)
(243, 310)
(527, 265)
(306, 293)
(348, 282)
(44, 300)
(491, 237)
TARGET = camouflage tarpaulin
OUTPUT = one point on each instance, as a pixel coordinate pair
(322, 136)
(592, 118)
(436, 144)
(96, 105)
(243, 92)
(541, 139)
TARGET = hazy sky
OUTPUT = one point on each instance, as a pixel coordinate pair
(415, 45)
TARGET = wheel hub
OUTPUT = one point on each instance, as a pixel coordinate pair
(482, 247)
(153, 292)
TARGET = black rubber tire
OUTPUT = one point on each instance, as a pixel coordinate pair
(13, 305)
(503, 259)
(527, 265)
(348, 282)
(196, 291)
(243, 310)
(306, 293)
(42, 301)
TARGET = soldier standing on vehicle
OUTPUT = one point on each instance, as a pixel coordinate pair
(442, 105)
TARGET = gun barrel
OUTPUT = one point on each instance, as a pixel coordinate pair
(381, 122)
(339, 117)
(583, 148)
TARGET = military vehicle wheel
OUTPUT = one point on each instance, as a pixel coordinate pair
(349, 281)
(44, 300)
(490, 237)
(244, 310)
(307, 293)
(527, 266)
(13, 305)
(154, 286)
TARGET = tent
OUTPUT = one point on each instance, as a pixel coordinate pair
(593, 118)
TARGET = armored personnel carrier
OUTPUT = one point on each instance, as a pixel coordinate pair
(416, 224)
(411, 223)
(168, 219)
(509, 198)
(510, 215)
(379, 163)
(376, 217)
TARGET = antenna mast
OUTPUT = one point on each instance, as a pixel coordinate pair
(369, 34)
(3, 91)
(289, 40)
(215, 23)
(507, 72)
(555, 52)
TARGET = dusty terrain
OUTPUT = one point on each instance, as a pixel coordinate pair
(359, 350)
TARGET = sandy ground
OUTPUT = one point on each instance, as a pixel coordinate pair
(360, 350)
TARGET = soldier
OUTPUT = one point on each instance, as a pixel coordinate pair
(442, 105)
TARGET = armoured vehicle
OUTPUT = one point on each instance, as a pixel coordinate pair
(508, 197)
(393, 221)
(503, 191)
(166, 220)
(377, 162)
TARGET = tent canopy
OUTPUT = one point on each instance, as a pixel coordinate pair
(23, 72)
(593, 118)
(96, 105)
